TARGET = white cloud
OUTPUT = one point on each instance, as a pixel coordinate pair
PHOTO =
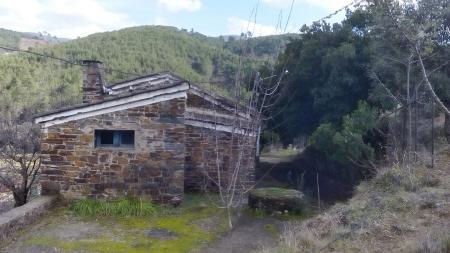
(160, 21)
(238, 25)
(63, 18)
(326, 4)
(181, 5)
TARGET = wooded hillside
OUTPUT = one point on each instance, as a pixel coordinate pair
(32, 80)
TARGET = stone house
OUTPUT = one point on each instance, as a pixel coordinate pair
(155, 136)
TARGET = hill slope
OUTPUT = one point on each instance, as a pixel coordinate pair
(399, 210)
(26, 40)
(31, 80)
(9, 38)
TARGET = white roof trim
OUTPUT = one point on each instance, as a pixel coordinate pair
(83, 115)
(217, 127)
(114, 105)
(214, 101)
(116, 91)
(210, 113)
(165, 77)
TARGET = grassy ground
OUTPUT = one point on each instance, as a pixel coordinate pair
(282, 152)
(398, 211)
(280, 155)
(191, 226)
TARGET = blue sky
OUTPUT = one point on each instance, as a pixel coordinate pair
(71, 19)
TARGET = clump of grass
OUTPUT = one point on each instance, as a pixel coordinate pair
(431, 243)
(396, 178)
(116, 208)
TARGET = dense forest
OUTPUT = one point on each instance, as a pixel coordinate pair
(344, 77)
(31, 80)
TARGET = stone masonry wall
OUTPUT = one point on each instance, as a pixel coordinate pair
(154, 168)
(194, 101)
(201, 162)
(21, 217)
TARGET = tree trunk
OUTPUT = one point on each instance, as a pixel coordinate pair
(20, 198)
(447, 128)
(430, 86)
(404, 134)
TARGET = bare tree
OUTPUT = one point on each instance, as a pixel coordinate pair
(232, 179)
(19, 157)
(252, 102)
(421, 30)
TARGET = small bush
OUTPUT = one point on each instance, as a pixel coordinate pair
(429, 181)
(118, 208)
(388, 180)
(396, 178)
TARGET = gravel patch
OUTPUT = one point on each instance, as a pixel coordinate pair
(249, 234)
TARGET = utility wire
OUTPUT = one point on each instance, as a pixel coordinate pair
(73, 62)
(79, 62)
(41, 55)
(289, 15)
(353, 3)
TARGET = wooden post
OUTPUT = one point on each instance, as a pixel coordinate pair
(432, 134)
(318, 190)
(258, 143)
(416, 118)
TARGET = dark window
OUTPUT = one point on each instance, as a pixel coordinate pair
(127, 138)
(104, 137)
(114, 138)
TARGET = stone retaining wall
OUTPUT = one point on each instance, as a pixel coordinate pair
(25, 215)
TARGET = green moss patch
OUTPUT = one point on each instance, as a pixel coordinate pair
(271, 228)
(129, 233)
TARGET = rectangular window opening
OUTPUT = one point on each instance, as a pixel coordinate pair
(114, 138)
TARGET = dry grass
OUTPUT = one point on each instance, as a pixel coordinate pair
(397, 211)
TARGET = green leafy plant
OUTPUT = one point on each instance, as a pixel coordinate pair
(347, 145)
(117, 208)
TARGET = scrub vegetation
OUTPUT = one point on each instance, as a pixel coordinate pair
(396, 211)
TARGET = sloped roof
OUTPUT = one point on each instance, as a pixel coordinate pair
(134, 92)
(157, 93)
(148, 81)
(143, 82)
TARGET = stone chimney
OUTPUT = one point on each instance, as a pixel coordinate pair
(93, 81)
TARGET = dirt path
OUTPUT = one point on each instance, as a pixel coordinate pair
(250, 234)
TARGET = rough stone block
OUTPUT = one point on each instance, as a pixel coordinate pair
(276, 199)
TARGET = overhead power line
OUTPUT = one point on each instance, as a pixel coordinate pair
(353, 3)
(78, 62)
(39, 54)
(71, 62)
